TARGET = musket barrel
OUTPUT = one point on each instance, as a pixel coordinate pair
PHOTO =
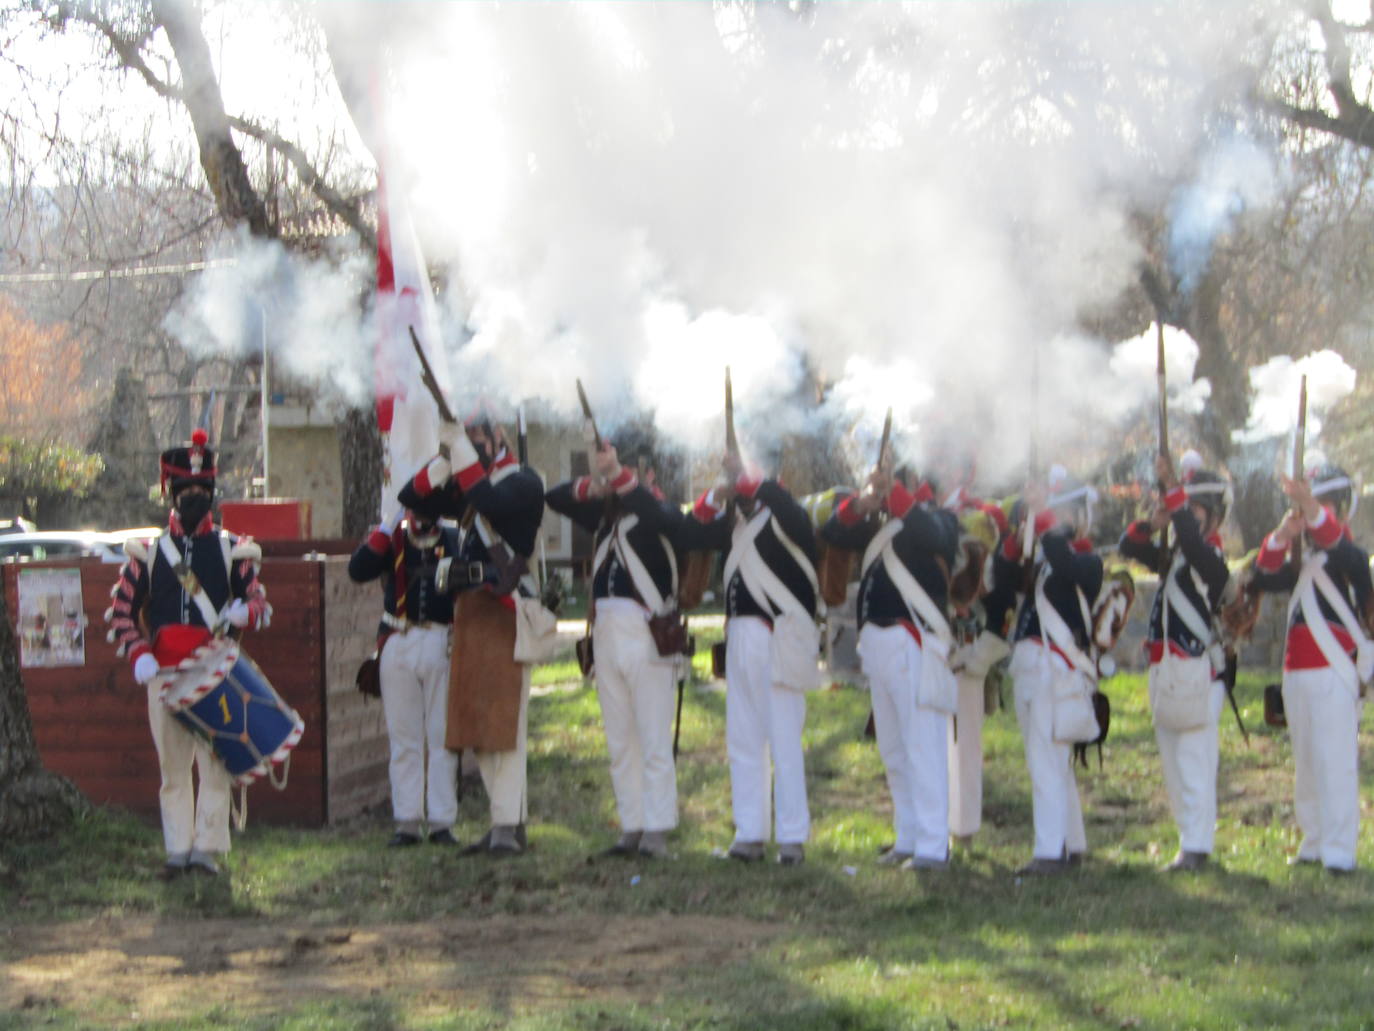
(427, 378)
(587, 411)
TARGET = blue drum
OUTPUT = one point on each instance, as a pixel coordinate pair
(220, 694)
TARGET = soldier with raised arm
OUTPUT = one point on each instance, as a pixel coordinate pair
(771, 650)
(1186, 659)
(634, 582)
(908, 545)
(1327, 659)
(498, 505)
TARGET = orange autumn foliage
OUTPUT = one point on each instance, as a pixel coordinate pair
(43, 395)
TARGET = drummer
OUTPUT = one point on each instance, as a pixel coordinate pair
(185, 585)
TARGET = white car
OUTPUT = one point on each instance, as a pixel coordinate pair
(43, 545)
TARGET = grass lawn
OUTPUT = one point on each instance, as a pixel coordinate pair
(327, 929)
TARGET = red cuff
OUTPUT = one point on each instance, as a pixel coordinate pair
(471, 476)
(899, 501)
(379, 542)
(1044, 522)
(625, 481)
(1175, 499)
(1270, 558)
(142, 648)
(1326, 533)
(848, 513)
(748, 484)
(703, 509)
(582, 488)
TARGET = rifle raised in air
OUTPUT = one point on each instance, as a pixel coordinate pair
(587, 413)
(731, 442)
(427, 378)
(1299, 442)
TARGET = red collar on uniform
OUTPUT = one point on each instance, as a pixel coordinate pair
(1214, 539)
(207, 525)
(502, 460)
(1081, 545)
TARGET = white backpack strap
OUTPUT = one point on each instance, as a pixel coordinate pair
(1335, 655)
(1058, 631)
(742, 541)
(765, 584)
(639, 572)
(1199, 626)
(880, 540)
(917, 601)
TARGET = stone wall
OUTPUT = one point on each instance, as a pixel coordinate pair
(356, 734)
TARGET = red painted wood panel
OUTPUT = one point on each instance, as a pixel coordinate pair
(91, 721)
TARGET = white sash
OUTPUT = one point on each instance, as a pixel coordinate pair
(1058, 631)
(1313, 578)
(639, 572)
(1182, 605)
(795, 638)
(174, 558)
(918, 602)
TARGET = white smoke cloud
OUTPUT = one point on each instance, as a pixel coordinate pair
(911, 201)
(309, 311)
(1234, 176)
(1275, 388)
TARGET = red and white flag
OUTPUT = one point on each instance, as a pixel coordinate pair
(406, 413)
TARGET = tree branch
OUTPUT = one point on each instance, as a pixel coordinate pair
(338, 205)
(1354, 124)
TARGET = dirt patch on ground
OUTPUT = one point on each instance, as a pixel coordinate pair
(148, 968)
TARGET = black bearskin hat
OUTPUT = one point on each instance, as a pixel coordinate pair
(193, 464)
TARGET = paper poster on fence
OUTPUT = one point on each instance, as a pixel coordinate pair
(52, 622)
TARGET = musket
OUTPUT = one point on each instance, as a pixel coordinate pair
(1163, 392)
(522, 439)
(1299, 440)
(886, 439)
(427, 378)
(731, 442)
(1032, 471)
(587, 412)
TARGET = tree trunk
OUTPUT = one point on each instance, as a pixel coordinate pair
(224, 167)
(1229, 406)
(32, 800)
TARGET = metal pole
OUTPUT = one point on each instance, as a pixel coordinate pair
(266, 446)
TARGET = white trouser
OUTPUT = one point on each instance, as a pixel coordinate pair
(191, 820)
(503, 773)
(636, 689)
(966, 758)
(913, 741)
(1189, 759)
(414, 675)
(1323, 713)
(1055, 809)
(763, 720)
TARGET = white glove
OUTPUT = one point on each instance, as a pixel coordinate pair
(389, 523)
(454, 436)
(237, 613)
(145, 668)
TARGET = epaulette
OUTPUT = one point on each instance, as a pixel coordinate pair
(136, 548)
